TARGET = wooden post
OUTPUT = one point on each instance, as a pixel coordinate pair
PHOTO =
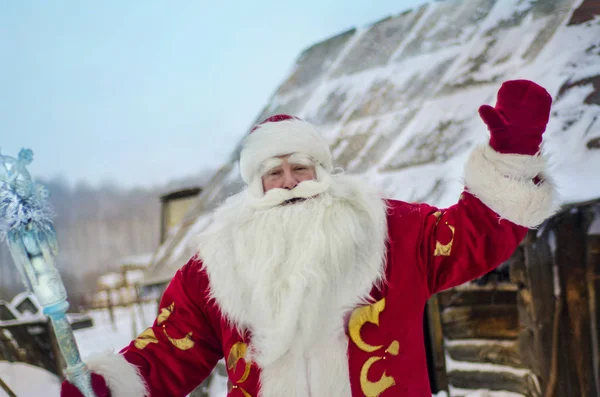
(571, 239)
(593, 280)
(7, 389)
(436, 337)
(139, 304)
(536, 304)
(111, 312)
(7, 352)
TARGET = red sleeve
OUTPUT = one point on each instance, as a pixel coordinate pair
(464, 242)
(181, 348)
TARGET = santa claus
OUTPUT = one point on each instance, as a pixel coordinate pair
(308, 283)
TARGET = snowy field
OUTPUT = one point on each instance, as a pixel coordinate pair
(29, 381)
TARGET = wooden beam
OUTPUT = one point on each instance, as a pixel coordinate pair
(6, 389)
(468, 297)
(536, 305)
(481, 322)
(492, 353)
(593, 277)
(505, 381)
(436, 336)
(577, 364)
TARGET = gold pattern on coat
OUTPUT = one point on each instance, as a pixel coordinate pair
(145, 338)
(148, 336)
(165, 312)
(184, 343)
(236, 353)
(374, 389)
(360, 316)
(444, 249)
(394, 348)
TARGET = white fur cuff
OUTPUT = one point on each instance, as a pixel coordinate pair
(123, 379)
(504, 182)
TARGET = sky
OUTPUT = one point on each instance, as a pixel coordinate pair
(138, 93)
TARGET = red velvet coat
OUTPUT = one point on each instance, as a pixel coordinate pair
(429, 250)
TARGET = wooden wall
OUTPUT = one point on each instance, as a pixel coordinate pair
(538, 334)
(558, 302)
(481, 327)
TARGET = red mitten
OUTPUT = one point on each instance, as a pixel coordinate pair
(519, 119)
(98, 384)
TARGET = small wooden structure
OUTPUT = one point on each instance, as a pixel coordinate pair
(122, 289)
(26, 335)
(174, 206)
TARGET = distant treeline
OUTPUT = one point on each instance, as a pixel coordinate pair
(96, 226)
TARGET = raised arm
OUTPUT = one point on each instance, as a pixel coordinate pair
(506, 192)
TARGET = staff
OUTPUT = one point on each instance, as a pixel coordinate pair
(26, 224)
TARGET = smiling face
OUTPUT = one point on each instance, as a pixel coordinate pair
(286, 172)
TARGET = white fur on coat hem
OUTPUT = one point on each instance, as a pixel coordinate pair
(123, 379)
(504, 182)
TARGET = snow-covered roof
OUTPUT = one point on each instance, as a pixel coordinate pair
(398, 100)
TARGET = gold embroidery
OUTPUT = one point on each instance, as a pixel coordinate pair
(394, 348)
(374, 389)
(361, 316)
(145, 338)
(184, 343)
(148, 336)
(444, 249)
(237, 353)
(165, 312)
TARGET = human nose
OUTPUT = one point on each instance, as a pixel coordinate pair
(289, 181)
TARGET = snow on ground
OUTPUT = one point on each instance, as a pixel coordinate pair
(28, 381)
(104, 336)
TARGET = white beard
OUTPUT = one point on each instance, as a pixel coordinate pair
(290, 273)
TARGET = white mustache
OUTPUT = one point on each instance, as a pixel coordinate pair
(275, 197)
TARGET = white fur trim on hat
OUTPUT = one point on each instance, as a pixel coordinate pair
(280, 138)
(122, 378)
(504, 182)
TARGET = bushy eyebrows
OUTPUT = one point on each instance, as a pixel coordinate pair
(269, 164)
(294, 159)
(301, 159)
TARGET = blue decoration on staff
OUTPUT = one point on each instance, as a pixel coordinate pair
(26, 224)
